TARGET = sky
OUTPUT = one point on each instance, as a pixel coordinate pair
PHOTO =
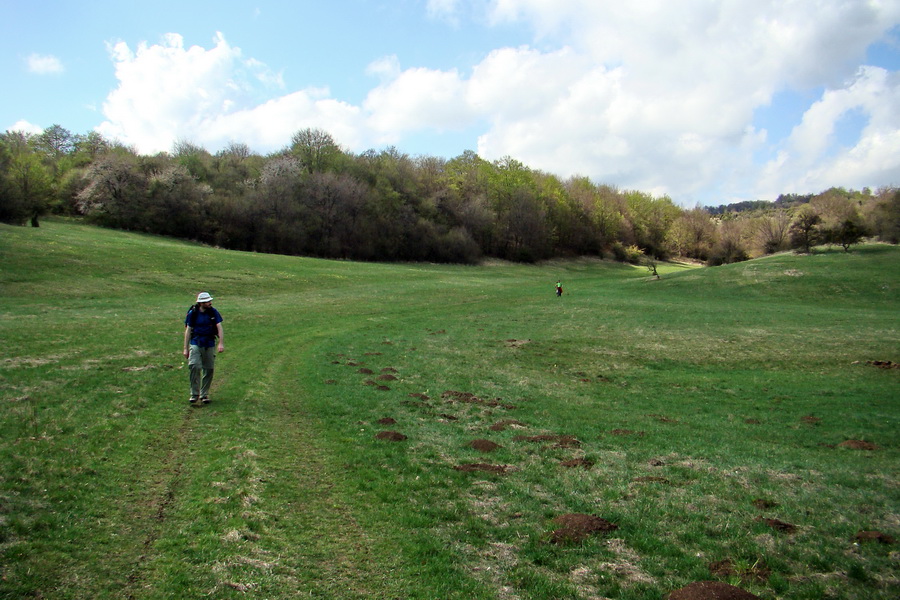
(705, 101)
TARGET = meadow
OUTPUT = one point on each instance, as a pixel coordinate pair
(455, 432)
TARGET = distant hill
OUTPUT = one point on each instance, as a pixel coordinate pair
(783, 201)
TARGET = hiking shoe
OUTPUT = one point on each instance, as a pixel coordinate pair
(193, 400)
(205, 399)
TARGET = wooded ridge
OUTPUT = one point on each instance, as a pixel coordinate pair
(314, 198)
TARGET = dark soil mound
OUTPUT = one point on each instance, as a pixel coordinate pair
(420, 396)
(386, 377)
(365, 371)
(389, 370)
(578, 462)
(711, 590)
(484, 445)
(763, 504)
(387, 421)
(576, 527)
(884, 364)
(873, 536)
(779, 525)
(484, 467)
(858, 445)
(391, 436)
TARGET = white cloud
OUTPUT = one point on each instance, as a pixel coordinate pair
(385, 68)
(44, 64)
(812, 160)
(167, 92)
(25, 127)
(446, 10)
(417, 99)
(668, 98)
(653, 95)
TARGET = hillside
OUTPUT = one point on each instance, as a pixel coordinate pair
(425, 431)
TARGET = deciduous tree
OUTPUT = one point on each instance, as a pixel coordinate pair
(804, 228)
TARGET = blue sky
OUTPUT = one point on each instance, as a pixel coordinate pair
(707, 102)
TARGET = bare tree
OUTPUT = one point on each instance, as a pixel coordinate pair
(772, 231)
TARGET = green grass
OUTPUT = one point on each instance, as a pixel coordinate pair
(693, 396)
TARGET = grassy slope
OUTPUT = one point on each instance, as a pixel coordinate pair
(112, 486)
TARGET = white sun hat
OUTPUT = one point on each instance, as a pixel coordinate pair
(204, 297)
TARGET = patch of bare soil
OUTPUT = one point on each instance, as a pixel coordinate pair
(391, 436)
(469, 398)
(763, 504)
(562, 441)
(484, 445)
(576, 527)
(727, 569)
(584, 463)
(883, 364)
(365, 371)
(873, 536)
(482, 467)
(778, 525)
(387, 421)
(389, 370)
(858, 445)
(711, 590)
(386, 377)
(448, 417)
(502, 425)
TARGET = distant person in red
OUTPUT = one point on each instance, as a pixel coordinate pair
(202, 325)
(558, 289)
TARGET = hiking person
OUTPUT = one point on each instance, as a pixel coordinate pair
(202, 325)
(558, 289)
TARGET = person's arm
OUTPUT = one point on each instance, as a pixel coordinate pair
(187, 340)
(221, 337)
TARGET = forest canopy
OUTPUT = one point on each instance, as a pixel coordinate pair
(314, 198)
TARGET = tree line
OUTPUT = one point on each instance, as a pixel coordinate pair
(314, 198)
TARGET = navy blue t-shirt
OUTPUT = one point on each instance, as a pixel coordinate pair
(204, 332)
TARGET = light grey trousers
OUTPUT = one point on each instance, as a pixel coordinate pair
(202, 365)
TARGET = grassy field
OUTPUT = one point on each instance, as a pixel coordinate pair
(728, 424)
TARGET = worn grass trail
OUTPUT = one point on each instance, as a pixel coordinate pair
(702, 405)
